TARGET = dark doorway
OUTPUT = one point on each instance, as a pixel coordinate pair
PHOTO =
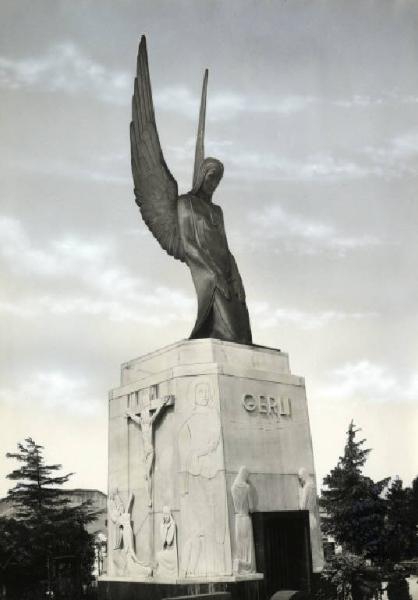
(282, 549)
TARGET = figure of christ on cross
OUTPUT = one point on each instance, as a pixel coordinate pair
(151, 408)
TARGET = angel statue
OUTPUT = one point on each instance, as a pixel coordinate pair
(189, 227)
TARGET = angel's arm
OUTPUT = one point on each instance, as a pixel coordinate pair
(236, 279)
(198, 252)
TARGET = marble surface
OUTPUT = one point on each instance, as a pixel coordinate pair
(236, 589)
(232, 405)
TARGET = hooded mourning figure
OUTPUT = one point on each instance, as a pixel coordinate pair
(244, 561)
(308, 501)
(222, 312)
(167, 555)
(189, 227)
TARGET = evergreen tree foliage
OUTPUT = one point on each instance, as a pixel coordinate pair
(368, 525)
(48, 534)
(353, 502)
(400, 523)
(36, 495)
(414, 506)
(398, 587)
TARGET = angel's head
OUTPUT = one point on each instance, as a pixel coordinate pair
(210, 173)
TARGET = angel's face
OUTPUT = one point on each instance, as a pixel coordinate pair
(211, 181)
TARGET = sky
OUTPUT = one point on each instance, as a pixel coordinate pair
(312, 108)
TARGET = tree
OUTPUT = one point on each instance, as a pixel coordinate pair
(400, 523)
(14, 550)
(348, 577)
(398, 587)
(414, 510)
(353, 502)
(48, 534)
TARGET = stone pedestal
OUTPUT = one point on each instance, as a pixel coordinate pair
(218, 406)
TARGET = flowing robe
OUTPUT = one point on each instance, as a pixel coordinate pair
(167, 556)
(203, 494)
(308, 501)
(244, 541)
(214, 272)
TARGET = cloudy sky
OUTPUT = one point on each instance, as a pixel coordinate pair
(313, 108)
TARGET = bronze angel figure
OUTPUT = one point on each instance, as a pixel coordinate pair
(189, 227)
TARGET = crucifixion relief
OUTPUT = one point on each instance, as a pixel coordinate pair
(145, 418)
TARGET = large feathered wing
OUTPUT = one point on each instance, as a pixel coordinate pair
(156, 191)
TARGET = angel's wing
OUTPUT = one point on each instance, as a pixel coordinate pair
(200, 140)
(156, 191)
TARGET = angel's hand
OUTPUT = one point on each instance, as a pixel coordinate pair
(223, 287)
(238, 290)
(236, 281)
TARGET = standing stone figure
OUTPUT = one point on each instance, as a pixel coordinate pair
(167, 556)
(125, 560)
(202, 488)
(244, 561)
(189, 227)
(308, 501)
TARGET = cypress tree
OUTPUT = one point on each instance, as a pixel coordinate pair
(353, 504)
(47, 534)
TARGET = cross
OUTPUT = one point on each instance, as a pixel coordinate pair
(145, 418)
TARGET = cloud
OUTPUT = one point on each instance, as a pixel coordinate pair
(397, 157)
(406, 145)
(276, 167)
(268, 316)
(53, 389)
(213, 148)
(367, 101)
(409, 99)
(59, 257)
(227, 104)
(255, 166)
(159, 308)
(394, 154)
(72, 276)
(368, 381)
(390, 160)
(360, 101)
(177, 99)
(93, 169)
(296, 233)
(95, 172)
(64, 68)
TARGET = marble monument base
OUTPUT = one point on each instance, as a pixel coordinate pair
(202, 435)
(236, 588)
